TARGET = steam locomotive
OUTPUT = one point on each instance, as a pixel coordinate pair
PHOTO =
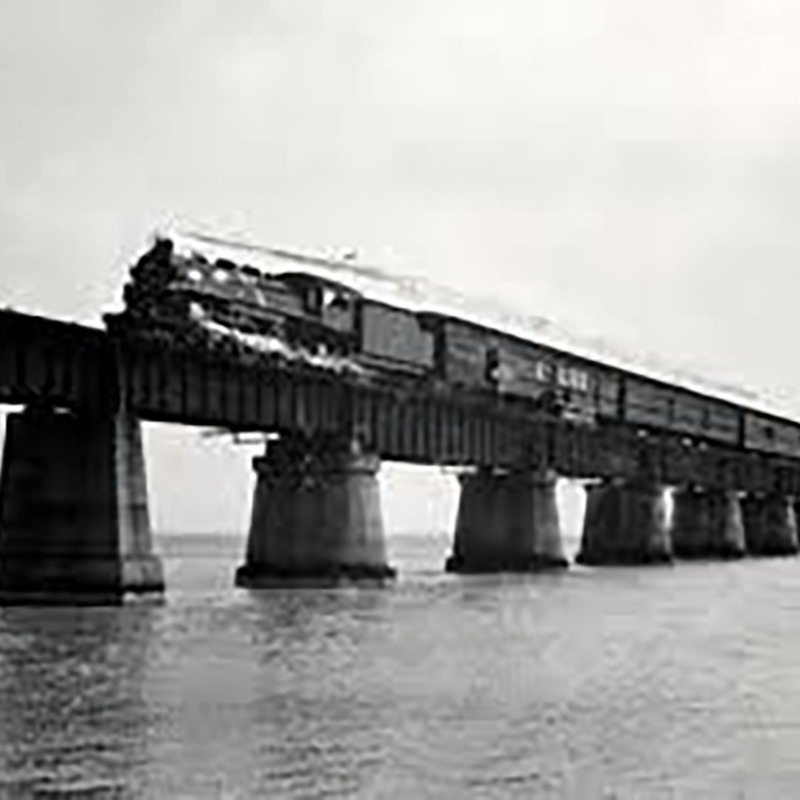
(318, 317)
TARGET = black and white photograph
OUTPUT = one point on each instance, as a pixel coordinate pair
(399, 400)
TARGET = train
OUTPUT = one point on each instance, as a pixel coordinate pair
(329, 319)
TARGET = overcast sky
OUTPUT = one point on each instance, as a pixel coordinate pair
(629, 168)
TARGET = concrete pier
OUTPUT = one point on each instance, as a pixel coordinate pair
(707, 524)
(770, 525)
(506, 522)
(74, 524)
(316, 519)
(625, 523)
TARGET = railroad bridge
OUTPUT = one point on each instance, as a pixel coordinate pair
(74, 522)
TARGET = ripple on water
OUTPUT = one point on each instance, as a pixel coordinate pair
(628, 683)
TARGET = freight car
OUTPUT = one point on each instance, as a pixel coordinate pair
(479, 359)
(652, 404)
(476, 358)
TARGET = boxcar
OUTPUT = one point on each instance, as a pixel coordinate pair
(461, 349)
(580, 388)
(771, 435)
(647, 402)
(705, 417)
(653, 404)
(471, 356)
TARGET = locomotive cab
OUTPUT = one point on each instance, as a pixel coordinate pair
(332, 304)
(329, 318)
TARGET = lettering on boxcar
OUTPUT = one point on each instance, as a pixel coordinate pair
(544, 371)
(567, 377)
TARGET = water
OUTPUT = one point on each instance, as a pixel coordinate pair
(615, 683)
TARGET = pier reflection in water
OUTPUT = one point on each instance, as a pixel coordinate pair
(659, 682)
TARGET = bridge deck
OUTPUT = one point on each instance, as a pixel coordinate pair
(63, 364)
(57, 362)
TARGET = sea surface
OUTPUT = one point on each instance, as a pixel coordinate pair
(658, 682)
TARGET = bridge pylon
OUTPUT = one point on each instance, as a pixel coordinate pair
(707, 523)
(507, 522)
(316, 516)
(770, 524)
(74, 523)
(625, 523)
